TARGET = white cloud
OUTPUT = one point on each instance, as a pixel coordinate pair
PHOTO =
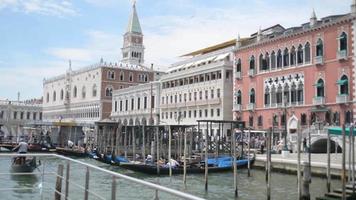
(99, 44)
(44, 7)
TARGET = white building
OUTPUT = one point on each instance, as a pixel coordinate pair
(199, 88)
(15, 115)
(137, 105)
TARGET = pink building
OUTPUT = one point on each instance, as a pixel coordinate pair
(309, 70)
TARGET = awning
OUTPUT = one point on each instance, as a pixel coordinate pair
(222, 56)
(319, 85)
(317, 109)
(338, 131)
(342, 82)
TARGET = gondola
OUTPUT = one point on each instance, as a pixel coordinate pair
(71, 152)
(191, 168)
(23, 164)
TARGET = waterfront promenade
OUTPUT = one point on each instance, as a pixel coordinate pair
(289, 164)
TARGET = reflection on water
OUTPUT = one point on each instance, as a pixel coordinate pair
(220, 184)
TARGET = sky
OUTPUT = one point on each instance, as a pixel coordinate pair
(39, 37)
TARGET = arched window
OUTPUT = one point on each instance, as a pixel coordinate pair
(319, 48)
(348, 117)
(293, 56)
(146, 78)
(62, 94)
(320, 88)
(273, 60)
(239, 97)
(293, 94)
(275, 120)
(252, 63)
(300, 55)
(250, 121)
(252, 96)
(131, 77)
(47, 98)
(279, 59)
(285, 57)
(111, 75)
(54, 96)
(303, 119)
(261, 62)
(343, 42)
(83, 92)
(279, 95)
(307, 52)
(94, 90)
(273, 96)
(343, 85)
(75, 91)
(260, 121)
(267, 96)
(238, 65)
(122, 77)
(267, 61)
(108, 91)
(286, 93)
(300, 93)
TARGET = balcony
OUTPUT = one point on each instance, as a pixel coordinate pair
(342, 98)
(318, 101)
(342, 55)
(238, 75)
(251, 106)
(237, 107)
(252, 72)
(319, 60)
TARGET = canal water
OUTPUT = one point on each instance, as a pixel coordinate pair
(220, 184)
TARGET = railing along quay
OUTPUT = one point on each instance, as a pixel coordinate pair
(60, 192)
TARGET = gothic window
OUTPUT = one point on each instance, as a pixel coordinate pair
(348, 117)
(328, 117)
(307, 52)
(252, 96)
(275, 120)
(283, 119)
(300, 54)
(267, 61)
(300, 93)
(239, 98)
(279, 95)
(54, 96)
(260, 120)
(336, 118)
(320, 88)
(238, 65)
(292, 56)
(111, 75)
(108, 91)
(122, 76)
(267, 96)
(343, 42)
(319, 48)
(279, 59)
(75, 92)
(94, 90)
(47, 98)
(273, 95)
(250, 121)
(293, 94)
(131, 77)
(62, 94)
(83, 92)
(146, 77)
(261, 62)
(252, 63)
(273, 60)
(303, 119)
(285, 57)
(343, 85)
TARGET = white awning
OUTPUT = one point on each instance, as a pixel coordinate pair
(222, 56)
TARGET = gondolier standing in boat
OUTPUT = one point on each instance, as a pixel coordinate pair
(22, 148)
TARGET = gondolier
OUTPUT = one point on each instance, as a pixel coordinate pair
(22, 148)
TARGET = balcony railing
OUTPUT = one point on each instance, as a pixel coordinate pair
(252, 72)
(251, 106)
(237, 107)
(319, 60)
(318, 101)
(342, 55)
(342, 98)
(238, 75)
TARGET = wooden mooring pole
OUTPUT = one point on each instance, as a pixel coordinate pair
(299, 136)
(343, 171)
(170, 150)
(268, 164)
(233, 134)
(206, 156)
(86, 191)
(185, 158)
(353, 158)
(328, 175)
(248, 153)
(143, 144)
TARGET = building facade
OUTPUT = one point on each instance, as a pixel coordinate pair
(137, 105)
(199, 87)
(15, 115)
(300, 75)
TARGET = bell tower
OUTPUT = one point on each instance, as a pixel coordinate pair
(133, 49)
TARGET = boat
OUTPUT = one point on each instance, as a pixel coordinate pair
(72, 152)
(28, 166)
(191, 168)
(109, 159)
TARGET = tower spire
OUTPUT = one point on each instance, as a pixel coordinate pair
(313, 18)
(134, 23)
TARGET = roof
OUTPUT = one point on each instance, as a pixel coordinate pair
(212, 48)
(134, 24)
